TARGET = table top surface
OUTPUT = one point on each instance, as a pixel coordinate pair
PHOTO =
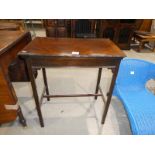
(9, 38)
(43, 46)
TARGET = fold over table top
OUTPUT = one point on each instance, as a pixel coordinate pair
(71, 47)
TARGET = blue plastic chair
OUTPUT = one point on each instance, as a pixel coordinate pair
(138, 101)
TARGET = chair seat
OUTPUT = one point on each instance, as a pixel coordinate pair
(140, 107)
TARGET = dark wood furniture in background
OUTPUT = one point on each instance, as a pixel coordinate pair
(143, 34)
(57, 28)
(46, 52)
(83, 28)
(144, 37)
(145, 25)
(11, 42)
(119, 31)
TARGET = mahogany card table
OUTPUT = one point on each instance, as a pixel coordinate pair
(45, 52)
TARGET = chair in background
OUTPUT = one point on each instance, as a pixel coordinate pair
(144, 38)
(83, 28)
(143, 35)
(138, 102)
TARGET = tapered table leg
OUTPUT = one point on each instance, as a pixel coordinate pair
(34, 89)
(45, 82)
(115, 71)
(98, 81)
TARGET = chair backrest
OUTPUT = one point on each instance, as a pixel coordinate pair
(82, 27)
(134, 72)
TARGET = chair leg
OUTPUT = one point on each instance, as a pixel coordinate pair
(98, 81)
(141, 45)
(45, 82)
(153, 47)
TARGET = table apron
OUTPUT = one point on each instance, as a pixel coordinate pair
(75, 62)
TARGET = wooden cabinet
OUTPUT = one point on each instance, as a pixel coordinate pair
(54, 22)
(57, 28)
(11, 42)
(7, 97)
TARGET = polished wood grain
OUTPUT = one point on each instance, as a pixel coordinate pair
(11, 42)
(9, 26)
(41, 46)
(9, 38)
